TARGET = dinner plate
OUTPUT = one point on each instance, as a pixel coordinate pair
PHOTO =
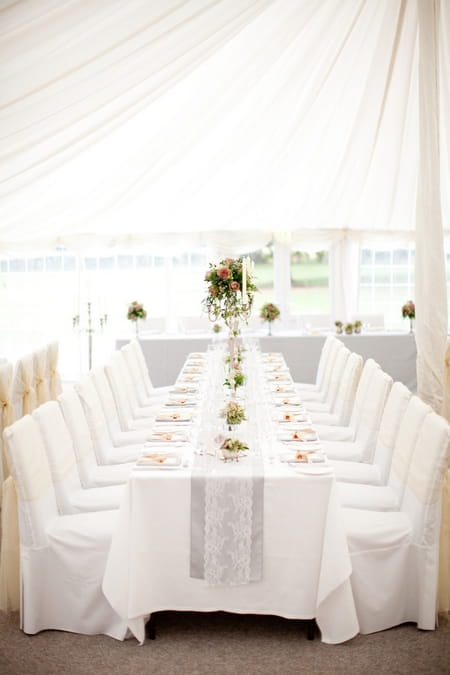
(313, 470)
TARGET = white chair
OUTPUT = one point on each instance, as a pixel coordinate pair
(140, 358)
(104, 452)
(378, 472)
(71, 496)
(330, 340)
(62, 557)
(348, 432)
(321, 394)
(7, 415)
(41, 382)
(346, 395)
(395, 555)
(119, 388)
(388, 497)
(137, 374)
(91, 473)
(362, 447)
(138, 411)
(108, 403)
(53, 375)
(328, 405)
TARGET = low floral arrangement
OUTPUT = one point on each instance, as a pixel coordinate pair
(233, 445)
(348, 328)
(269, 312)
(409, 310)
(217, 328)
(339, 326)
(136, 311)
(230, 288)
(233, 413)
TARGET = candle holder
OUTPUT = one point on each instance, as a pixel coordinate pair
(89, 330)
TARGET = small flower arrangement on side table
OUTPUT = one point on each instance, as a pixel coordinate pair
(135, 312)
(269, 312)
(409, 312)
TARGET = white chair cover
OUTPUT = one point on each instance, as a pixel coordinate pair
(348, 433)
(328, 405)
(138, 378)
(120, 392)
(62, 557)
(104, 452)
(140, 357)
(116, 435)
(71, 497)
(41, 382)
(321, 394)
(52, 370)
(378, 472)
(321, 366)
(398, 551)
(23, 393)
(346, 395)
(91, 473)
(137, 411)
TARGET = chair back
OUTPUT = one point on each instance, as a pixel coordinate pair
(119, 387)
(136, 345)
(23, 392)
(422, 494)
(414, 417)
(103, 387)
(335, 347)
(131, 360)
(374, 401)
(7, 414)
(335, 380)
(41, 382)
(78, 426)
(93, 410)
(30, 469)
(369, 368)
(347, 388)
(393, 412)
(323, 360)
(60, 453)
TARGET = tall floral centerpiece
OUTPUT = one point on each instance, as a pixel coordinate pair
(135, 312)
(409, 312)
(230, 298)
(269, 312)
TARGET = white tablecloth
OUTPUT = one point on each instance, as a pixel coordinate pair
(395, 352)
(306, 566)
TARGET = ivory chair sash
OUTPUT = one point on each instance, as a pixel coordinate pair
(91, 473)
(7, 415)
(104, 452)
(108, 403)
(71, 497)
(398, 551)
(62, 557)
(346, 395)
(348, 432)
(378, 472)
(362, 449)
(53, 375)
(9, 549)
(388, 497)
(41, 382)
(23, 392)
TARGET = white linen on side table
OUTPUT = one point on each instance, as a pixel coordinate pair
(306, 564)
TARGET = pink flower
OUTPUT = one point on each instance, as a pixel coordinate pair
(234, 285)
(224, 273)
(212, 290)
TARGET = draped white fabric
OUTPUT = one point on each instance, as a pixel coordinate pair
(123, 120)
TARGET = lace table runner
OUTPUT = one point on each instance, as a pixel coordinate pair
(227, 520)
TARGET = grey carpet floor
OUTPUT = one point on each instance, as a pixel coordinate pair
(191, 643)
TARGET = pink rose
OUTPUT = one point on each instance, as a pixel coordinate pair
(224, 273)
(234, 285)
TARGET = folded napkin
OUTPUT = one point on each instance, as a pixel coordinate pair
(159, 459)
(281, 389)
(305, 456)
(282, 377)
(183, 416)
(166, 437)
(192, 370)
(300, 435)
(183, 389)
(289, 402)
(180, 402)
(188, 378)
(295, 417)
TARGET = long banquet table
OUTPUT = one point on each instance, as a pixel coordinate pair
(395, 352)
(306, 566)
